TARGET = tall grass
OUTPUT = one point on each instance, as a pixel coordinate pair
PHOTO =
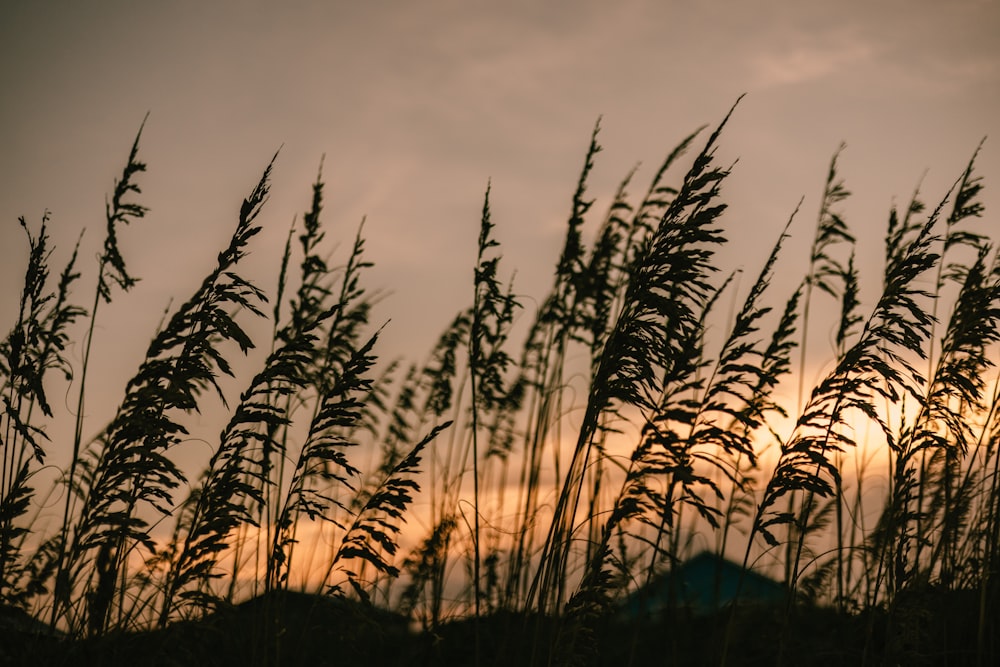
(569, 458)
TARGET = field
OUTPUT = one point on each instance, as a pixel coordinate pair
(532, 490)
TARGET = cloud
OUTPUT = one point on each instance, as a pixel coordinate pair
(801, 63)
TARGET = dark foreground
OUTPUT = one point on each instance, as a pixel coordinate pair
(302, 630)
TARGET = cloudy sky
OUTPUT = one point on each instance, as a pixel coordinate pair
(417, 104)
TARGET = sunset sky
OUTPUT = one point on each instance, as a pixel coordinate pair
(417, 105)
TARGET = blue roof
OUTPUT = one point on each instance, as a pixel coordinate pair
(703, 584)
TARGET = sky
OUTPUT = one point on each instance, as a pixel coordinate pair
(416, 106)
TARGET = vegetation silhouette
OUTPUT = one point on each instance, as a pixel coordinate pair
(572, 462)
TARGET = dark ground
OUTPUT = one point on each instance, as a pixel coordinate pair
(295, 629)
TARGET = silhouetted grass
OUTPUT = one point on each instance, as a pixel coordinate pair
(565, 468)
